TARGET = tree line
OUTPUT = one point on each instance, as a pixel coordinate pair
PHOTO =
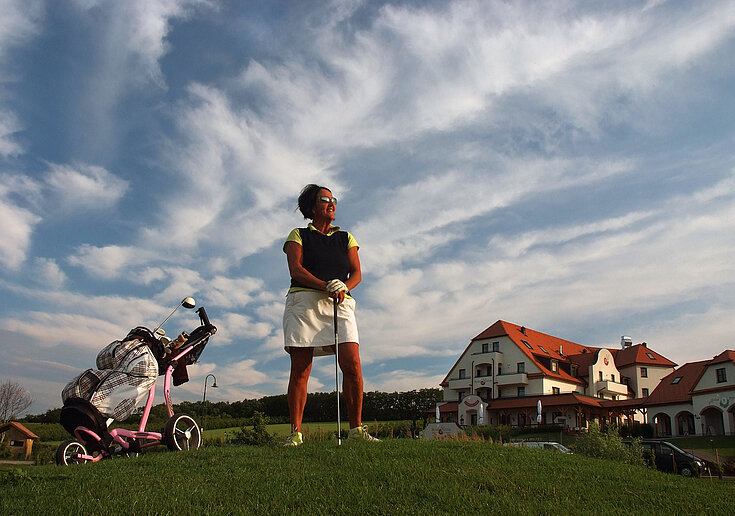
(320, 406)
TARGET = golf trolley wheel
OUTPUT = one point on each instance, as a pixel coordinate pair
(182, 433)
(68, 453)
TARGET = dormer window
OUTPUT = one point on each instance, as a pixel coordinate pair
(554, 366)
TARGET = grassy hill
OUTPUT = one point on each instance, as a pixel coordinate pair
(394, 477)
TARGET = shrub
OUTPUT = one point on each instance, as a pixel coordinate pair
(44, 453)
(258, 434)
(608, 445)
(48, 431)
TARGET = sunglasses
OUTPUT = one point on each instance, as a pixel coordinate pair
(326, 199)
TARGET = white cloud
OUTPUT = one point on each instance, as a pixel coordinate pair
(108, 261)
(49, 273)
(85, 186)
(8, 127)
(19, 21)
(403, 380)
(16, 228)
(234, 326)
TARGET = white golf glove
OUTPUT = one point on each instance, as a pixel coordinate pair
(335, 285)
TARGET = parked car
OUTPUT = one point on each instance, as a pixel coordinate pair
(546, 445)
(671, 459)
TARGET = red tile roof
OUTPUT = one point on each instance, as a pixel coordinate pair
(726, 356)
(669, 392)
(639, 354)
(538, 346)
(555, 400)
(13, 424)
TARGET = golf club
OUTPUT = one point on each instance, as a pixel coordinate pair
(336, 375)
(187, 302)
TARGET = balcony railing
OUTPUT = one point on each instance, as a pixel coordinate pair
(460, 383)
(609, 387)
(511, 379)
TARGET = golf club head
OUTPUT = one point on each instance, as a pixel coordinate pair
(188, 302)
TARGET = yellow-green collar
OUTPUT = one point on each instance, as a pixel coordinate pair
(332, 229)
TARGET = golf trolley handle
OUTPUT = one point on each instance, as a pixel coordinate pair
(203, 317)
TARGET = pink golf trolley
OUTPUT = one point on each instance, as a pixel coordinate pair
(126, 374)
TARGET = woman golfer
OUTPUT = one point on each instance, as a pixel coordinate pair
(324, 267)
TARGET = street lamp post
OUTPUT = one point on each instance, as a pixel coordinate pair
(204, 398)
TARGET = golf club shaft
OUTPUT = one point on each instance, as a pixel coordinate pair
(336, 375)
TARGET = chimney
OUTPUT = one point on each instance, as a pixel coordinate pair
(523, 330)
(625, 342)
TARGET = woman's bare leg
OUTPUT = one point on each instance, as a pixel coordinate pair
(301, 359)
(349, 362)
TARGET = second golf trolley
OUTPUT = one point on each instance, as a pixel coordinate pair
(127, 373)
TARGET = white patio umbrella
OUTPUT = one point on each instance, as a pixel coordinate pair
(438, 417)
(538, 410)
(481, 414)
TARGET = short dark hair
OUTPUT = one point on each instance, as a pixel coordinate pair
(307, 199)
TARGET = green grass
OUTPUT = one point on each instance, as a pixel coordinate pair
(398, 476)
(282, 430)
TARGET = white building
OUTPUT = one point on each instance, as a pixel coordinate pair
(696, 399)
(507, 369)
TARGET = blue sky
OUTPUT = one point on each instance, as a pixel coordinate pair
(563, 165)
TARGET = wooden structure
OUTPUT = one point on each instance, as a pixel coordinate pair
(18, 439)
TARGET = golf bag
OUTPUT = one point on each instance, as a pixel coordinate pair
(126, 370)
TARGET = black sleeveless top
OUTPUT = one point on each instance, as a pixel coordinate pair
(324, 256)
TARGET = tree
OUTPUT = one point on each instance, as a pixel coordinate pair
(14, 399)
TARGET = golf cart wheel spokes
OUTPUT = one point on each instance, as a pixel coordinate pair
(70, 452)
(182, 433)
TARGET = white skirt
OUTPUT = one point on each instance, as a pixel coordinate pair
(308, 322)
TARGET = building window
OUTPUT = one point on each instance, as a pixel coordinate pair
(645, 393)
(521, 392)
(650, 355)
(496, 346)
(527, 344)
(521, 367)
(644, 372)
(479, 372)
(555, 390)
(500, 369)
(543, 349)
(554, 366)
(600, 376)
(721, 375)
(462, 374)
(676, 380)
(575, 370)
(485, 347)
(612, 378)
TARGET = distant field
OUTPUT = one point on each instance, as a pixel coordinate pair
(397, 476)
(281, 430)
